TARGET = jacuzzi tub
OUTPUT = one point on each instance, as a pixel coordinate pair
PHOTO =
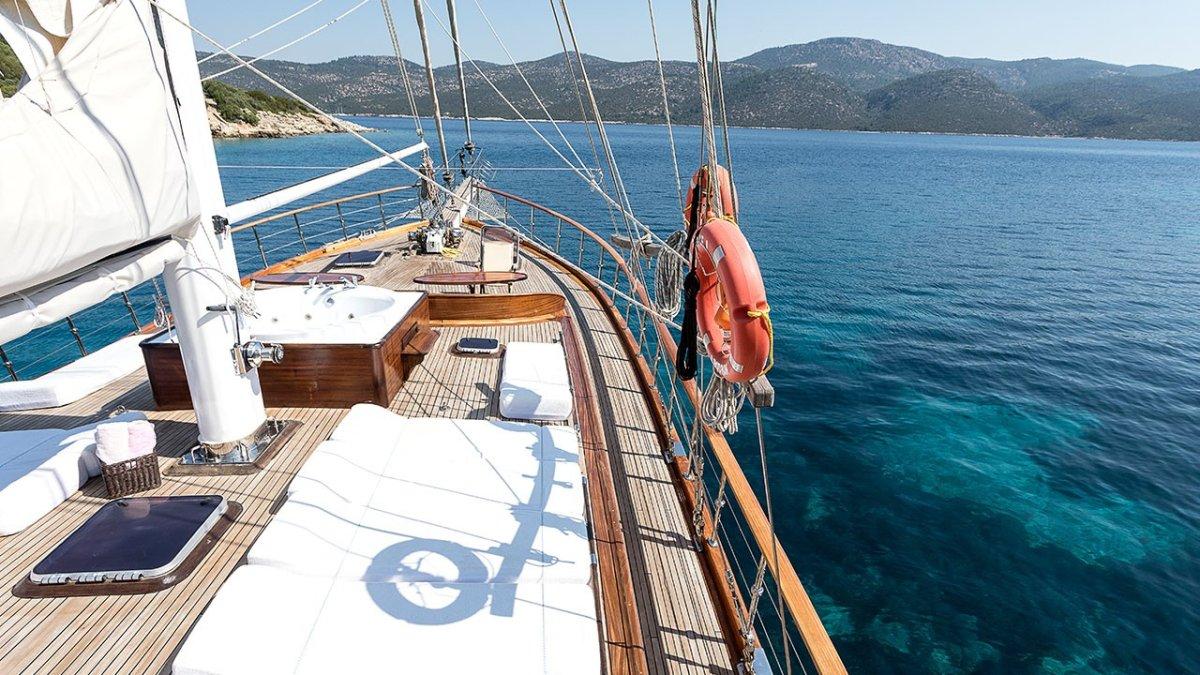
(341, 346)
(328, 314)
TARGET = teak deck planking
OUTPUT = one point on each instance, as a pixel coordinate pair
(681, 631)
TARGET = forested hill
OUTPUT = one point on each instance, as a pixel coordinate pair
(836, 83)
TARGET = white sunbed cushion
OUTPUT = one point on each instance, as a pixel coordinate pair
(310, 534)
(42, 476)
(258, 624)
(367, 421)
(346, 470)
(75, 380)
(535, 384)
(417, 627)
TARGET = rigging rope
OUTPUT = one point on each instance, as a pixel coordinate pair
(302, 38)
(273, 26)
(339, 123)
(437, 106)
(719, 85)
(662, 83)
(469, 146)
(408, 92)
(528, 85)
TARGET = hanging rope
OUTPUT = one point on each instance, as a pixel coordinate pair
(408, 91)
(668, 275)
(722, 402)
(437, 106)
(469, 146)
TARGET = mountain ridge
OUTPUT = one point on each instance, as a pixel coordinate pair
(833, 83)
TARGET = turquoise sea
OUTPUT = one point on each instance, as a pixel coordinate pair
(985, 450)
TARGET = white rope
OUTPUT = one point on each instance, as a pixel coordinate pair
(273, 26)
(432, 82)
(662, 83)
(709, 146)
(584, 173)
(668, 276)
(408, 92)
(524, 79)
(719, 84)
(337, 122)
(307, 35)
(721, 404)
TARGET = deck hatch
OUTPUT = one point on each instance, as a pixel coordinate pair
(132, 539)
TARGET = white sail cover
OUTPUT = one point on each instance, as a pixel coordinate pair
(92, 159)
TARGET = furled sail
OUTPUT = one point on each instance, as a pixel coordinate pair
(92, 157)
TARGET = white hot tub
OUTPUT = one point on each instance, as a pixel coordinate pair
(360, 315)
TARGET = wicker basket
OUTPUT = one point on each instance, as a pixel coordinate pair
(135, 475)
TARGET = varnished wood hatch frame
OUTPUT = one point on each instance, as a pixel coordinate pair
(620, 628)
(27, 589)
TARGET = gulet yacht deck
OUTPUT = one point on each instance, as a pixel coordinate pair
(668, 614)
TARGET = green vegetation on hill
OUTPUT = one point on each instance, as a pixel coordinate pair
(10, 70)
(960, 100)
(240, 105)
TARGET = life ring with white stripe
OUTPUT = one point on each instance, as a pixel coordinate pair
(731, 303)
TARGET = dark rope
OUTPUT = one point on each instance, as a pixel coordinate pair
(686, 359)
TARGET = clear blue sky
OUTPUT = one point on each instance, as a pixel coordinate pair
(1118, 31)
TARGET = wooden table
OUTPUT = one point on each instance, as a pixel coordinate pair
(305, 278)
(473, 279)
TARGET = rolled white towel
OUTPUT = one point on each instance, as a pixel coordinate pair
(112, 443)
(141, 438)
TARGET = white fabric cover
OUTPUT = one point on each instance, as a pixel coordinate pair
(74, 380)
(418, 627)
(535, 385)
(37, 29)
(94, 160)
(21, 313)
(416, 545)
(315, 625)
(455, 500)
(40, 469)
(258, 624)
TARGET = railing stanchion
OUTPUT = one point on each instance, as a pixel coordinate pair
(137, 325)
(261, 253)
(78, 339)
(342, 219)
(558, 235)
(579, 259)
(300, 230)
(382, 215)
(12, 372)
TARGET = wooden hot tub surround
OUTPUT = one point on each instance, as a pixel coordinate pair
(312, 375)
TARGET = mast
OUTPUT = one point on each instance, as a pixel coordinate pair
(437, 106)
(227, 399)
(469, 146)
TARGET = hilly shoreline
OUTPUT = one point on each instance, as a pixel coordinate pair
(850, 84)
(835, 84)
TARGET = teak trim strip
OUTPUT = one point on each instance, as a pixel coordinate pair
(816, 639)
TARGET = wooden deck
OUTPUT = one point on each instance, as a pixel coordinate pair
(138, 634)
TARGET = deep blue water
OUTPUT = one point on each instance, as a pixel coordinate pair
(984, 453)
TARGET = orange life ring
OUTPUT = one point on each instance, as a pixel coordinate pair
(732, 300)
(700, 189)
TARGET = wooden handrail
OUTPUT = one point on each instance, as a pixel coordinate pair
(321, 205)
(800, 607)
